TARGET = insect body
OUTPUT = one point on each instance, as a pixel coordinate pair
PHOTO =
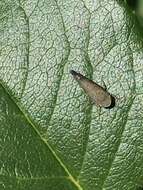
(97, 93)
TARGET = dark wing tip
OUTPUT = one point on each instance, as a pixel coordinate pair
(113, 103)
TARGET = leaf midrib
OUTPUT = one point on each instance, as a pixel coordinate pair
(34, 127)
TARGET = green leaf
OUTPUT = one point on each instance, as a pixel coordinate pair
(137, 8)
(51, 137)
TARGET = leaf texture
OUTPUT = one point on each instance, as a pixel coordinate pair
(51, 137)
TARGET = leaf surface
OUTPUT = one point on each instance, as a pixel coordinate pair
(51, 137)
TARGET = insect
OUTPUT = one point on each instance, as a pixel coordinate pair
(99, 95)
